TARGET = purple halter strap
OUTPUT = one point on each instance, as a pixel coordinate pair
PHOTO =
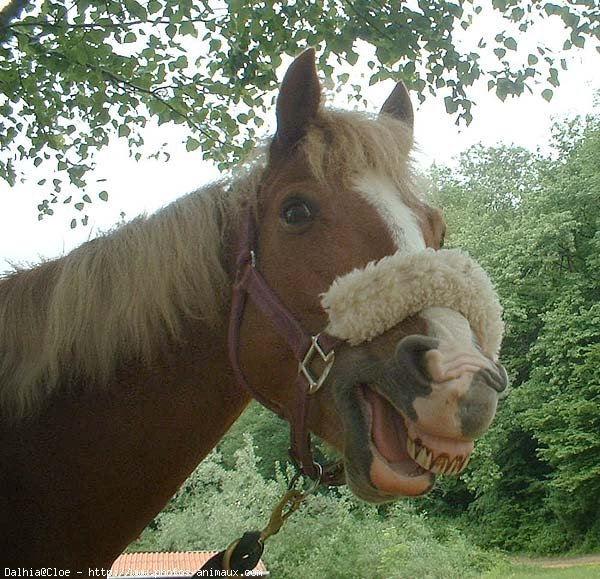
(249, 283)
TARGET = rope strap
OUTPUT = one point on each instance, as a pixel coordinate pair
(244, 554)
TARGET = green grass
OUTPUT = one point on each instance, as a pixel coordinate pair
(534, 572)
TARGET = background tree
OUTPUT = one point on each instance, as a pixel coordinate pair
(533, 220)
(73, 75)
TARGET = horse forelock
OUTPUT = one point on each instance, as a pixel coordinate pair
(342, 145)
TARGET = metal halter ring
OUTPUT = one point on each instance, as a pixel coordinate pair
(315, 483)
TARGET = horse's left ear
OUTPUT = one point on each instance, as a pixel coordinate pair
(398, 105)
(298, 101)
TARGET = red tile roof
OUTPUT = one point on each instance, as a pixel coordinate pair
(164, 564)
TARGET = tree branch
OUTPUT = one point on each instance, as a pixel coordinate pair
(98, 25)
(11, 11)
(124, 84)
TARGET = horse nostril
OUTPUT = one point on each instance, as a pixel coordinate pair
(410, 359)
(495, 378)
(503, 381)
(416, 343)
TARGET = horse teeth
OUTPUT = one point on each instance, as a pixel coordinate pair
(440, 465)
(451, 466)
(429, 460)
(455, 466)
(424, 457)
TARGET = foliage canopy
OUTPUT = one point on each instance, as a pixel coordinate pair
(72, 76)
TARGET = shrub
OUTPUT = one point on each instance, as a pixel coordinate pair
(332, 535)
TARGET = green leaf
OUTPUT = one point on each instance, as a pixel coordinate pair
(180, 62)
(451, 105)
(171, 31)
(103, 195)
(502, 88)
(153, 6)
(547, 94)
(191, 144)
(188, 28)
(552, 9)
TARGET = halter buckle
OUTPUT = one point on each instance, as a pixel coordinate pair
(316, 381)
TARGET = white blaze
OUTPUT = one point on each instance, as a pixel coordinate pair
(402, 223)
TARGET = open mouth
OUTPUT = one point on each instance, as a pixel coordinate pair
(405, 457)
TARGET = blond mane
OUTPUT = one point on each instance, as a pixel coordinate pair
(125, 294)
(116, 298)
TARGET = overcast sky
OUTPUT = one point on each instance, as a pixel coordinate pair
(146, 186)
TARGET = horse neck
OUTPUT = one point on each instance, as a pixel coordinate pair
(107, 461)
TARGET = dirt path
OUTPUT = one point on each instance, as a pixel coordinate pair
(561, 562)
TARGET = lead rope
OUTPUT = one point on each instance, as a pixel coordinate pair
(244, 553)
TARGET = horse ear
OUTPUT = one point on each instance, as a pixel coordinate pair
(298, 100)
(398, 105)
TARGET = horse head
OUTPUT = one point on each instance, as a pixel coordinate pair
(349, 248)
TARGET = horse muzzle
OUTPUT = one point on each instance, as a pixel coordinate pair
(414, 413)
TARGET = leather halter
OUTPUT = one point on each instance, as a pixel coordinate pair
(305, 347)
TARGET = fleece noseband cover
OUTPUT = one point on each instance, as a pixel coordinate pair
(366, 302)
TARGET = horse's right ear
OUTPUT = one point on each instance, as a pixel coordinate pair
(398, 105)
(297, 103)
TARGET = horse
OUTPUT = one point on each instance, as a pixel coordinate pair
(312, 278)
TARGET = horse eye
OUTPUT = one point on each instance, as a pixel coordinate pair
(297, 212)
